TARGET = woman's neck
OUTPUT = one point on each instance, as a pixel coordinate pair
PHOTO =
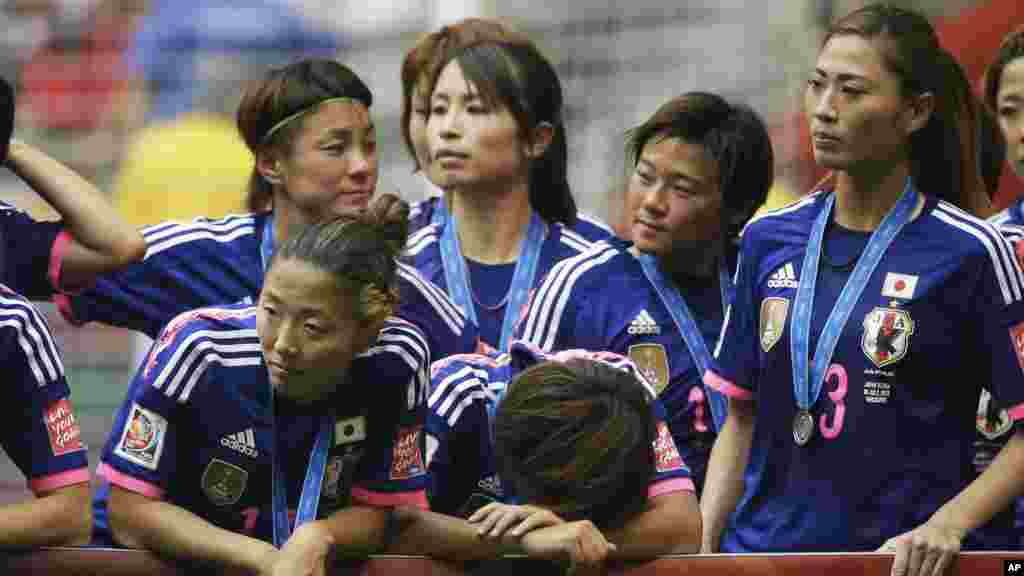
(863, 199)
(491, 225)
(288, 219)
(695, 260)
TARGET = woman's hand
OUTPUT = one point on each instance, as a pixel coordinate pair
(494, 519)
(580, 544)
(304, 554)
(927, 550)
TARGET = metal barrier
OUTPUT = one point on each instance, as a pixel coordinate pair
(113, 562)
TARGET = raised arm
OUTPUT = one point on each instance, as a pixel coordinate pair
(101, 241)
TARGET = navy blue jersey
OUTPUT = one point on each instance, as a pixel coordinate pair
(196, 430)
(30, 253)
(994, 428)
(894, 425)
(560, 242)
(215, 262)
(39, 430)
(602, 300)
(465, 392)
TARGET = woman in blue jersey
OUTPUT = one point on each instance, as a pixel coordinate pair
(700, 168)
(313, 139)
(38, 257)
(865, 321)
(497, 147)
(523, 440)
(245, 416)
(1004, 95)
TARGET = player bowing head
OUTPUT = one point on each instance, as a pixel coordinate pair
(526, 443)
(239, 408)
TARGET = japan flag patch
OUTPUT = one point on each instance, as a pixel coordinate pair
(899, 286)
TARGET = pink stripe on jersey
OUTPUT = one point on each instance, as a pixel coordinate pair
(417, 498)
(57, 253)
(725, 387)
(64, 307)
(129, 482)
(1017, 412)
(670, 485)
(58, 480)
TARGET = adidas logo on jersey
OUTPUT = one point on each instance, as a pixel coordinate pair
(784, 277)
(643, 324)
(243, 442)
(491, 484)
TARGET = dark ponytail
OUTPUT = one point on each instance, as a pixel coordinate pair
(360, 250)
(577, 437)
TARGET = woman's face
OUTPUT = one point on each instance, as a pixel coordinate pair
(1010, 112)
(307, 329)
(471, 143)
(674, 197)
(331, 167)
(855, 107)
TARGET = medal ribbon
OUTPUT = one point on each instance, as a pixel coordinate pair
(267, 242)
(309, 500)
(807, 387)
(687, 326)
(457, 278)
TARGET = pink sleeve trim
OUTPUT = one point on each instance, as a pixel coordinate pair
(725, 387)
(669, 486)
(59, 480)
(1017, 412)
(129, 482)
(417, 498)
(63, 303)
(57, 253)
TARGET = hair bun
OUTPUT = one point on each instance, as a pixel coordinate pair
(390, 214)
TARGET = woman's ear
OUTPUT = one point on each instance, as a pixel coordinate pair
(540, 138)
(268, 164)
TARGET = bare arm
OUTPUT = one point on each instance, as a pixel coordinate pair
(102, 240)
(174, 532)
(61, 517)
(929, 548)
(671, 524)
(723, 484)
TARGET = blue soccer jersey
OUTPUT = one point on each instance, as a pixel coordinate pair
(893, 427)
(39, 430)
(602, 300)
(490, 283)
(215, 262)
(196, 428)
(466, 390)
(30, 253)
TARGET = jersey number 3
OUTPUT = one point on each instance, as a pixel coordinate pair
(835, 382)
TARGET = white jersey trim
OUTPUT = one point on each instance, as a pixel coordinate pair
(33, 337)
(545, 312)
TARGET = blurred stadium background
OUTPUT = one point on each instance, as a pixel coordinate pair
(138, 95)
